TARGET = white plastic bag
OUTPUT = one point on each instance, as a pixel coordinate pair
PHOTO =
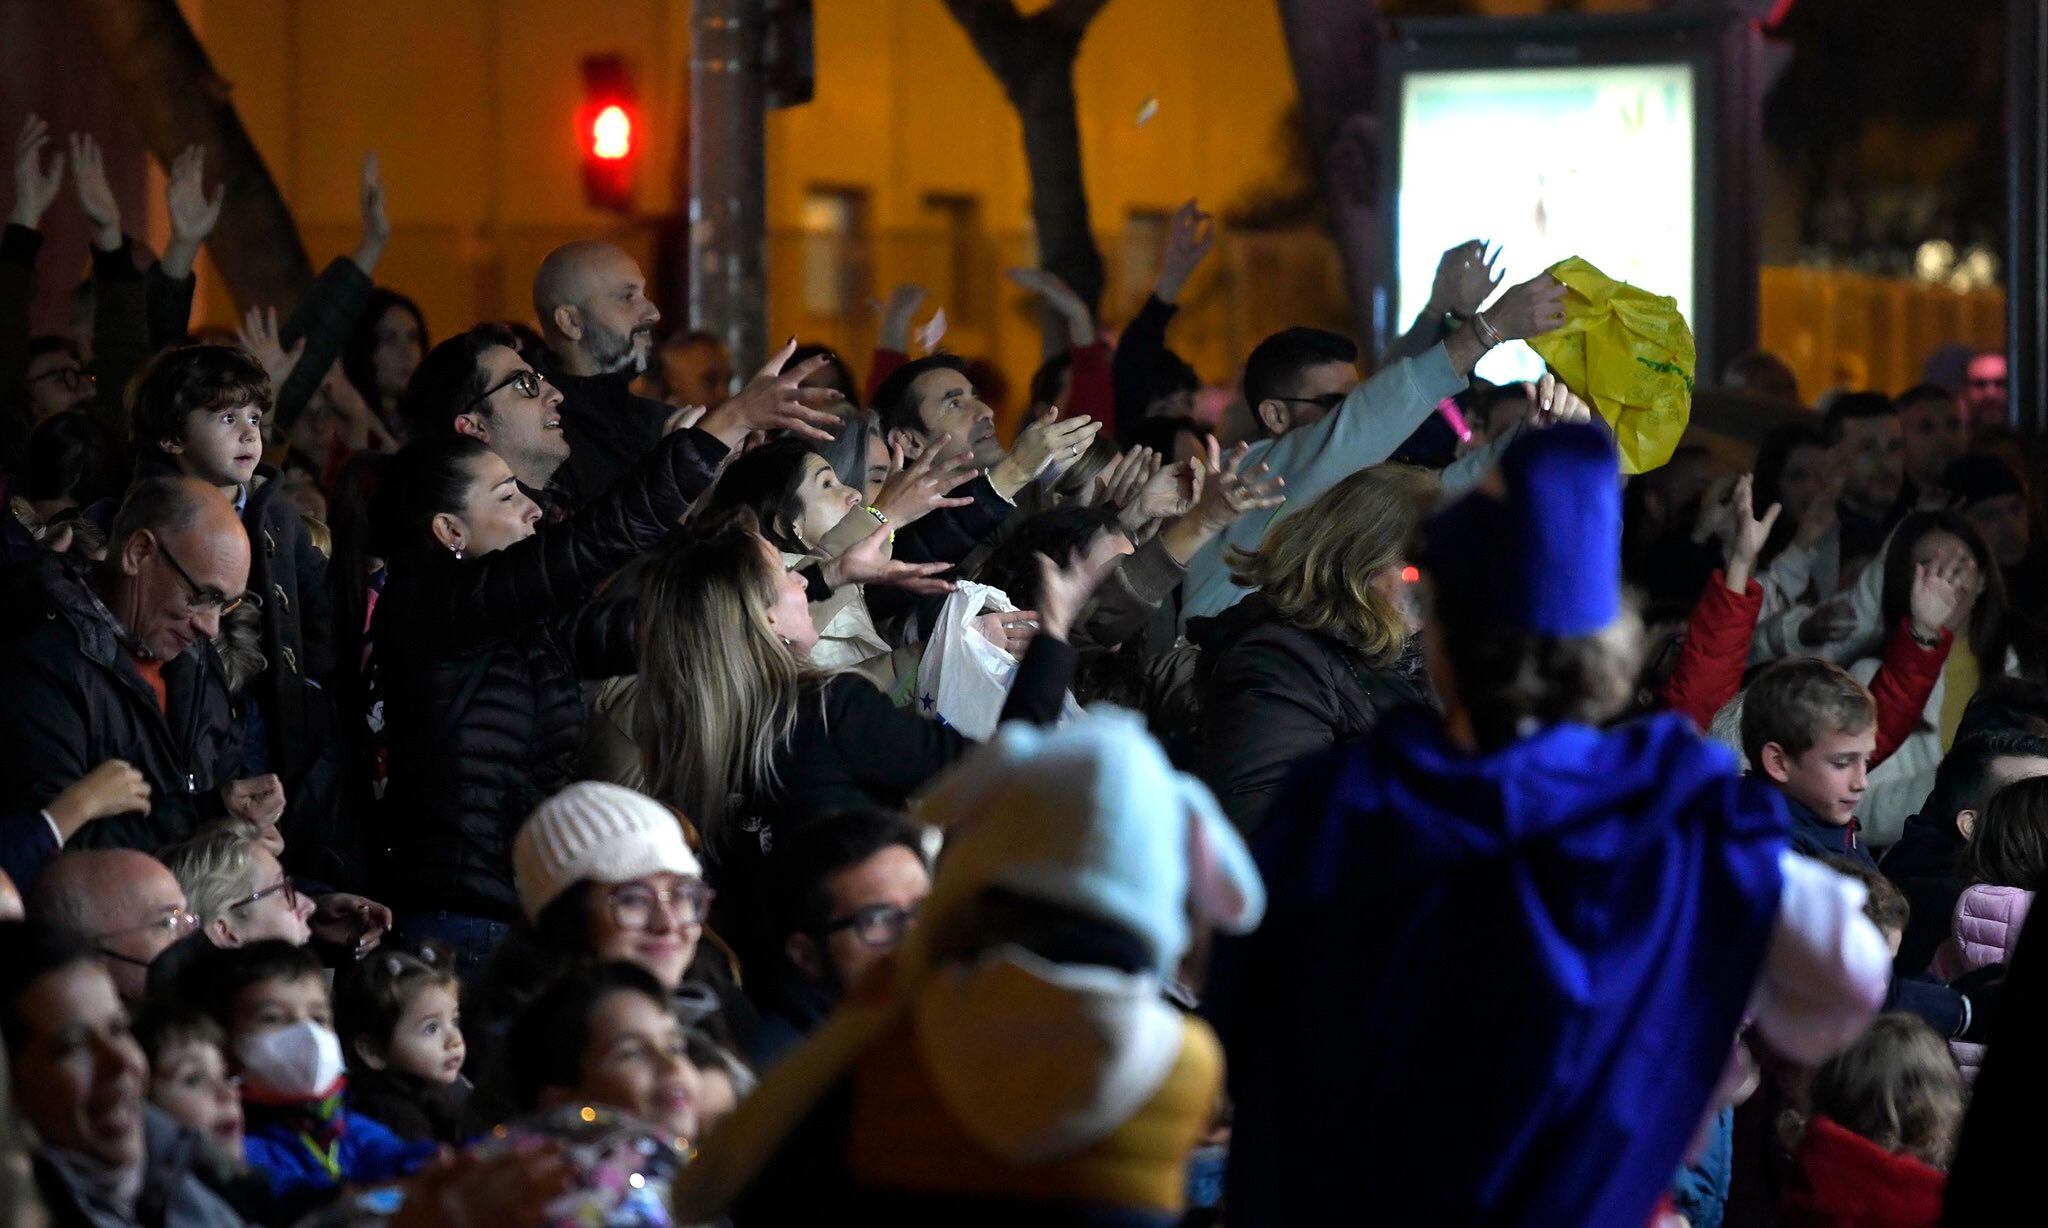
(964, 678)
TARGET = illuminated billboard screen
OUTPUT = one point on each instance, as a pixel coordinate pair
(1548, 162)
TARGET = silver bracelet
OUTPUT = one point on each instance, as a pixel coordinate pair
(1488, 334)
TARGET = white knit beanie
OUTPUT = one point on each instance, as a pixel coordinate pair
(597, 832)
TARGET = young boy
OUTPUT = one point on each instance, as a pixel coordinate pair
(271, 1000)
(1809, 729)
(199, 411)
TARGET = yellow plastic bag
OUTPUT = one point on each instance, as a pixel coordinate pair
(1630, 354)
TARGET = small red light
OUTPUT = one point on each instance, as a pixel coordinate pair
(611, 133)
(1410, 575)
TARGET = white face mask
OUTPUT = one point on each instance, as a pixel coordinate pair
(300, 1060)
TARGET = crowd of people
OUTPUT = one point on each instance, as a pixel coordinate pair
(421, 757)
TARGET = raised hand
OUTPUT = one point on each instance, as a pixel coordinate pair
(1536, 306)
(1063, 591)
(376, 223)
(1551, 403)
(1121, 481)
(343, 920)
(1049, 439)
(193, 213)
(1228, 493)
(1171, 491)
(1190, 237)
(35, 186)
(1944, 590)
(897, 314)
(868, 562)
(1465, 276)
(259, 336)
(95, 194)
(1047, 285)
(923, 486)
(775, 400)
(1743, 542)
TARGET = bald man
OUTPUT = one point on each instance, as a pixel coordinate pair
(595, 316)
(126, 905)
(114, 660)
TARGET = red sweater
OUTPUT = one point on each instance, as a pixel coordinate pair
(1843, 1180)
(1716, 651)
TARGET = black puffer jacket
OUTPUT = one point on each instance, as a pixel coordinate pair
(73, 700)
(479, 665)
(1272, 693)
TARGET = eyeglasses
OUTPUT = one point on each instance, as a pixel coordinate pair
(1327, 401)
(291, 894)
(528, 383)
(73, 378)
(204, 599)
(880, 926)
(170, 925)
(633, 904)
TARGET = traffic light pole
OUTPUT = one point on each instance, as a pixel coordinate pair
(729, 177)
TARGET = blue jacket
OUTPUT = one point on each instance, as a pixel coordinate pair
(1498, 989)
(368, 1152)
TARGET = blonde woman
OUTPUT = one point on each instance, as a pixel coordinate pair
(1324, 647)
(740, 729)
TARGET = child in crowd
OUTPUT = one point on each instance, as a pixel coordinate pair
(198, 410)
(1885, 1115)
(271, 1000)
(2003, 865)
(605, 1035)
(1809, 729)
(401, 1032)
(188, 1076)
(189, 1080)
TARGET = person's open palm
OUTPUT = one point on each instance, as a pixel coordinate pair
(35, 184)
(1465, 276)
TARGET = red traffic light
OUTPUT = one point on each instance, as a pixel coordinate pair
(611, 133)
(605, 125)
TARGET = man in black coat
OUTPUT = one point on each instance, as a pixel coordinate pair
(115, 661)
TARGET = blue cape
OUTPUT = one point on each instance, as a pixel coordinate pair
(1493, 990)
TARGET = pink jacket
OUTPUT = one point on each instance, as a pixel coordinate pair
(1985, 930)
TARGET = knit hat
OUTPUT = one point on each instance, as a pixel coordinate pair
(595, 832)
(1974, 478)
(1547, 556)
(1089, 816)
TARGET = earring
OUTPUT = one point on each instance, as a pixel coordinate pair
(457, 548)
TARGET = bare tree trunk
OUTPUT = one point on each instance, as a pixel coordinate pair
(729, 177)
(1332, 44)
(177, 100)
(1033, 58)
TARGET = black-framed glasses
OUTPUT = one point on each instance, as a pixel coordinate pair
(880, 926)
(291, 894)
(633, 904)
(171, 924)
(201, 597)
(526, 382)
(1327, 401)
(73, 378)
